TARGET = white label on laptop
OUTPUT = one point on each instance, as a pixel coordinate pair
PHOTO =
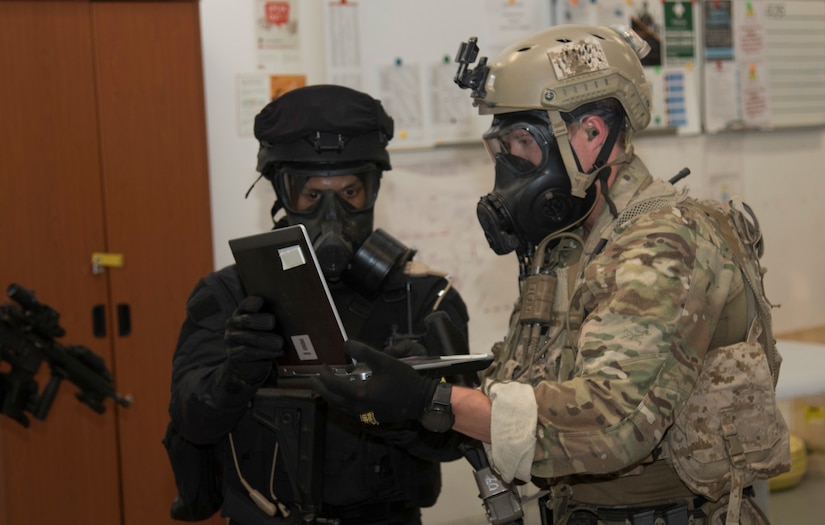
(303, 345)
(292, 257)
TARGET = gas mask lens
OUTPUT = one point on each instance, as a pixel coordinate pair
(303, 190)
(519, 142)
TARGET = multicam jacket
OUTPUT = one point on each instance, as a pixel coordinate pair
(634, 308)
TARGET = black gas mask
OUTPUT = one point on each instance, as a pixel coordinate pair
(531, 197)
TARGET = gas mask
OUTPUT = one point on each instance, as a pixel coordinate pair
(335, 204)
(531, 197)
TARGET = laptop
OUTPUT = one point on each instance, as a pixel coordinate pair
(281, 267)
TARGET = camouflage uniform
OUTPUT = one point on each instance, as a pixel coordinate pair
(637, 305)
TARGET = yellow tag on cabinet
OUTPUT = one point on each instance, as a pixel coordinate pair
(112, 260)
(102, 260)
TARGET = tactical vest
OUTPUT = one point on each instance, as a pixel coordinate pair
(364, 471)
(729, 432)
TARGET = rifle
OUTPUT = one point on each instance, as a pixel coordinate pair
(501, 501)
(27, 338)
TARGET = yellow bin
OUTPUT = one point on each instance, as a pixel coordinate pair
(799, 465)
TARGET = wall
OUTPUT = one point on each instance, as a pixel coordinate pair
(428, 199)
(775, 171)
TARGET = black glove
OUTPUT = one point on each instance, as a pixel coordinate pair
(394, 392)
(251, 345)
(406, 348)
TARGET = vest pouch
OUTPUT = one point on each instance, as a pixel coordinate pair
(730, 429)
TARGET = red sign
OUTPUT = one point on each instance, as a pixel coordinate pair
(277, 13)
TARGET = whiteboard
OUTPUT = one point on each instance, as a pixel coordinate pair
(428, 202)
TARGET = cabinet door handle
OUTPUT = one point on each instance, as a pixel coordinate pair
(99, 320)
(124, 320)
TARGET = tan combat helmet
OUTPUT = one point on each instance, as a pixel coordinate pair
(558, 70)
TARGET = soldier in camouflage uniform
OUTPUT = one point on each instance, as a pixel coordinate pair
(636, 382)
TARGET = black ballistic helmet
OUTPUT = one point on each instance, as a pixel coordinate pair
(322, 124)
(325, 131)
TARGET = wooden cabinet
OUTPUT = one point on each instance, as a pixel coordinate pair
(102, 149)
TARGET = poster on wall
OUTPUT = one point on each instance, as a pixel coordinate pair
(256, 90)
(277, 38)
(764, 64)
(669, 28)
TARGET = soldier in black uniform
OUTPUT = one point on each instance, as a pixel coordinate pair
(324, 150)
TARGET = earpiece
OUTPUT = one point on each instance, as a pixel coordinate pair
(592, 133)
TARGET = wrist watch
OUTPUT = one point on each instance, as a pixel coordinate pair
(439, 417)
